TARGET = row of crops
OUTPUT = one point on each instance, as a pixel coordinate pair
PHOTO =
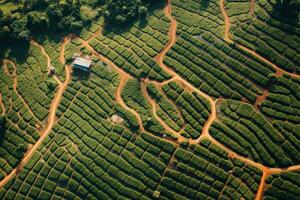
(32, 75)
(89, 156)
(249, 133)
(134, 50)
(205, 172)
(283, 186)
(272, 38)
(26, 99)
(194, 108)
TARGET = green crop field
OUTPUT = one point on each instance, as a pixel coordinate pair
(183, 99)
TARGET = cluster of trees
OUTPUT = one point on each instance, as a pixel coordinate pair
(38, 16)
(42, 16)
(288, 8)
(123, 11)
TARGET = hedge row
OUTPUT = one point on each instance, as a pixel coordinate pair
(193, 108)
(283, 186)
(200, 172)
(282, 103)
(249, 133)
(167, 111)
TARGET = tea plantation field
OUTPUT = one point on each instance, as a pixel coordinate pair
(199, 101)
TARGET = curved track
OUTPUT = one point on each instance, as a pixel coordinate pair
(44, 133)
(175, 77)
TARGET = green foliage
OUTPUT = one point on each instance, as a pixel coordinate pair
(283, 186)
(40, 17)
(121, 12)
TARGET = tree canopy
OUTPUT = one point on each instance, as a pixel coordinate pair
(42, 16)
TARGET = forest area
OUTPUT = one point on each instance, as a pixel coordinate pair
(20, 20)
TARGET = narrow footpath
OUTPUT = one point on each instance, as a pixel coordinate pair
(278, 70)
(45, 132)
(15, 87)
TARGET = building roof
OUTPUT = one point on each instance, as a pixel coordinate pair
(82, 62)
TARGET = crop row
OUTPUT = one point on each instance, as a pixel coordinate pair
(166, 111)
(271, 38)
(194, 108)
(91, 157)
(282, 103)
(210, 75)
(283, 186)
(134, 98)
(20, 131)
(205, 172)
(135, 49)
(31, 77)
(249, 133)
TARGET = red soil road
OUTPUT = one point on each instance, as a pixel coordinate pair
(119, 99)
(15, 85)
(154, 105)
(261, 98)
(124, 77)
(252, 6)
(45, 132)
(172, 35)
(43, 52)
(278, 70)
(62, 50)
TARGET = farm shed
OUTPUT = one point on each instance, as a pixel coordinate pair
(82, 63)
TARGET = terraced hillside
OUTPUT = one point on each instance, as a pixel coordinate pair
(201, 102)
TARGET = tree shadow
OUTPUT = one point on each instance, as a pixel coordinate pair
(285, 13)
(17, 51)
(80, 75)
(204, 4)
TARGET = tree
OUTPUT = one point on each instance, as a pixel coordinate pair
(37, 21)
(143, 12)
(289, 8)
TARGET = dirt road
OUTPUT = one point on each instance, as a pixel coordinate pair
(261, 98)
(45, 132)
(119, 99)
(15, 85)
(278, 70)
(154, 105)
(43, 52)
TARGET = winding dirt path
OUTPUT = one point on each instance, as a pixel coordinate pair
(160, 57)
(62, 50)
(123, 79)
(227, 22)
(172, 39)
(278, 70)
(261, 98)
(252, 6)
(119, 99)
(15, 85)
(154, 105)
(35, 43)
(45, 132)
